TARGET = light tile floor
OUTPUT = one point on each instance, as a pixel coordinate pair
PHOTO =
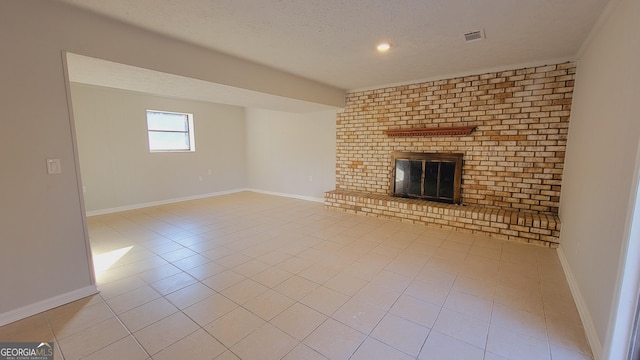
(253, 276)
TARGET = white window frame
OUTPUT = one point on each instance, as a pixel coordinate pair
(189, 132)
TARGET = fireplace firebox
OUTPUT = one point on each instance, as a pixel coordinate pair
(427, 176)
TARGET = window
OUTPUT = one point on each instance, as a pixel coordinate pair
(169, 131)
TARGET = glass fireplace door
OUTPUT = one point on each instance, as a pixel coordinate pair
(426, 177)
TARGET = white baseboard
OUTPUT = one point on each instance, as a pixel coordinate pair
(294, 196)
(47, 304)
(585, 316)
(161, 202)
(196, 197)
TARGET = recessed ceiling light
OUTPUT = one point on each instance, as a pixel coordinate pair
(383, 47)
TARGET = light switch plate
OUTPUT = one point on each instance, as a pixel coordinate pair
(54, 166)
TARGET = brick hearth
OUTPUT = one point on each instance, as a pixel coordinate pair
(507, 224)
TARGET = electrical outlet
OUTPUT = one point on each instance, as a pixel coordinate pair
(310, 178)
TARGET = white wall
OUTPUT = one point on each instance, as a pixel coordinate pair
(291, 154)
(599, 177)
(44, 253)
(119, 171)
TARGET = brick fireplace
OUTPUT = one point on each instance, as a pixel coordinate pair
(513, 158)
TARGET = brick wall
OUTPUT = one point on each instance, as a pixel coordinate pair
(513, 159)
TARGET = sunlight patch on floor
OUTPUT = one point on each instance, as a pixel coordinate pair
(102, 262)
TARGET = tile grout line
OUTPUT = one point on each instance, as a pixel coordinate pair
(128, 331)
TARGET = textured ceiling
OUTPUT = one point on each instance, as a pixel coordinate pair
(333, 41)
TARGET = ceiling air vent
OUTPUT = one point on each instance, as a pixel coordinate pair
(474, 35)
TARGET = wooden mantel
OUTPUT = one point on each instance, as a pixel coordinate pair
(432, 131)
